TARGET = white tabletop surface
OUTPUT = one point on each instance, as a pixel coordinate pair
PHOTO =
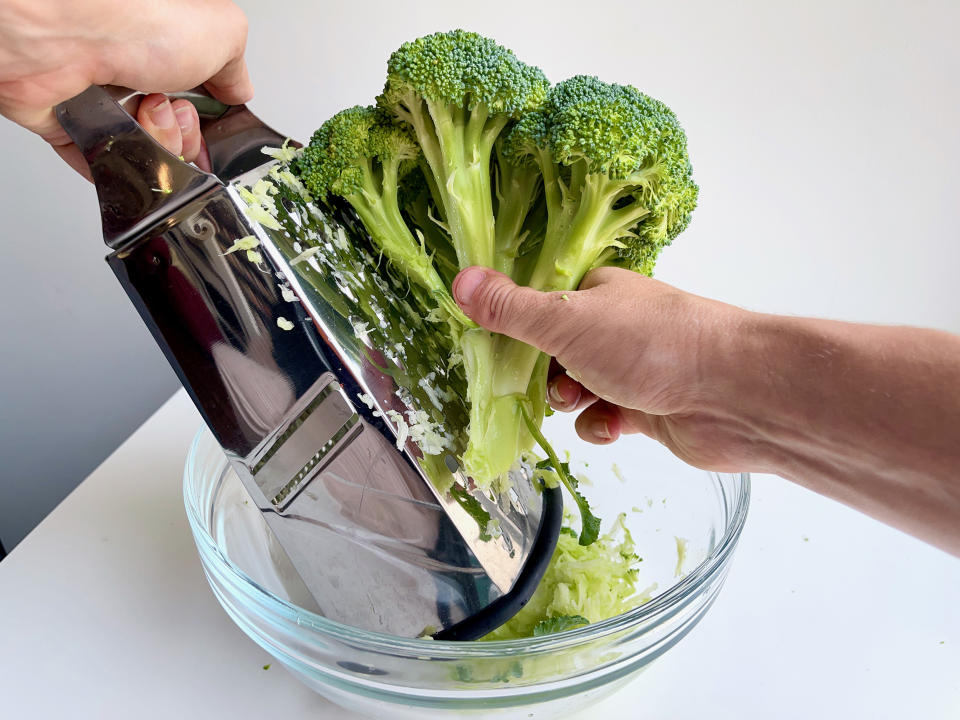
(105, 613)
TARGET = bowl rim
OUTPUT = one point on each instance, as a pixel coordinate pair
(663, 604)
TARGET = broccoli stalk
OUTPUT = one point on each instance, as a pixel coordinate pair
(417, 203)
(517, 190)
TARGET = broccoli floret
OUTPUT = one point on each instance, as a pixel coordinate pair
(617, 178)
(457, 91)
(361, 155)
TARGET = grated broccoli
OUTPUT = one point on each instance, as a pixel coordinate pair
(582, 584)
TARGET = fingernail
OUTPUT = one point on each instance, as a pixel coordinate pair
(184, 118)
(602, 430)
(162, 116)
(553, 392)
(466, 285)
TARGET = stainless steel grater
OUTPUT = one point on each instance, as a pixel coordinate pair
(376, 545)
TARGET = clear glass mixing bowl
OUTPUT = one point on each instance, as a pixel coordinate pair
(667, 504)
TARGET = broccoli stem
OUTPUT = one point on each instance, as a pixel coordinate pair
(516, 191)
(572, 249)
(503, 377)
(495, 437)
(458, 151)
(378, 209)
(564, 260)
(503, 370)
(589, 523)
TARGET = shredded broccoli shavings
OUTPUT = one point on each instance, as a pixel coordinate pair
(682, 544)
(306, 255)
(248, 242)
(285, 153)
(590, 583)
(618, 473)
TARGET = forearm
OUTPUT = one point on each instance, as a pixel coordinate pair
(868, 415)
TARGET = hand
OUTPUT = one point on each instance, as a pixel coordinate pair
(865, 414)
(51, 51)
(631, 356)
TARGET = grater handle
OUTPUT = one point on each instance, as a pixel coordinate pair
(138, 182)
(233, 135)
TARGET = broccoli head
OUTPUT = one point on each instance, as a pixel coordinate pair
(457, 91)
(617, 178)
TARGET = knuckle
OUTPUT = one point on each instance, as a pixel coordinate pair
(499, 305)
(241, 25)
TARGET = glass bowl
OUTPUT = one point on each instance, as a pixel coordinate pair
(685, 523)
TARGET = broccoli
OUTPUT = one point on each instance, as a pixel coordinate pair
(471, 158)
(616, 177)
(360, 155)
(457, 92)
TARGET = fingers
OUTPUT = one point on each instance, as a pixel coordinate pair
(175, 125)
(600, 423)
(567, 395)
(600, 276)
(157, 117)
(232, 84)
(639, 284)
(494, 301)
(603, 422)
(189, 123)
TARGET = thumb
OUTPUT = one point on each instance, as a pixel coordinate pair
(493, 300)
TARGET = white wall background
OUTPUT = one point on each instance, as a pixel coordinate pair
(825, 137)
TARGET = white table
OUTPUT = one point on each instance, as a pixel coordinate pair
(105, 613)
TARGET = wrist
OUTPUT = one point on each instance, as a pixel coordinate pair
(748, 365)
